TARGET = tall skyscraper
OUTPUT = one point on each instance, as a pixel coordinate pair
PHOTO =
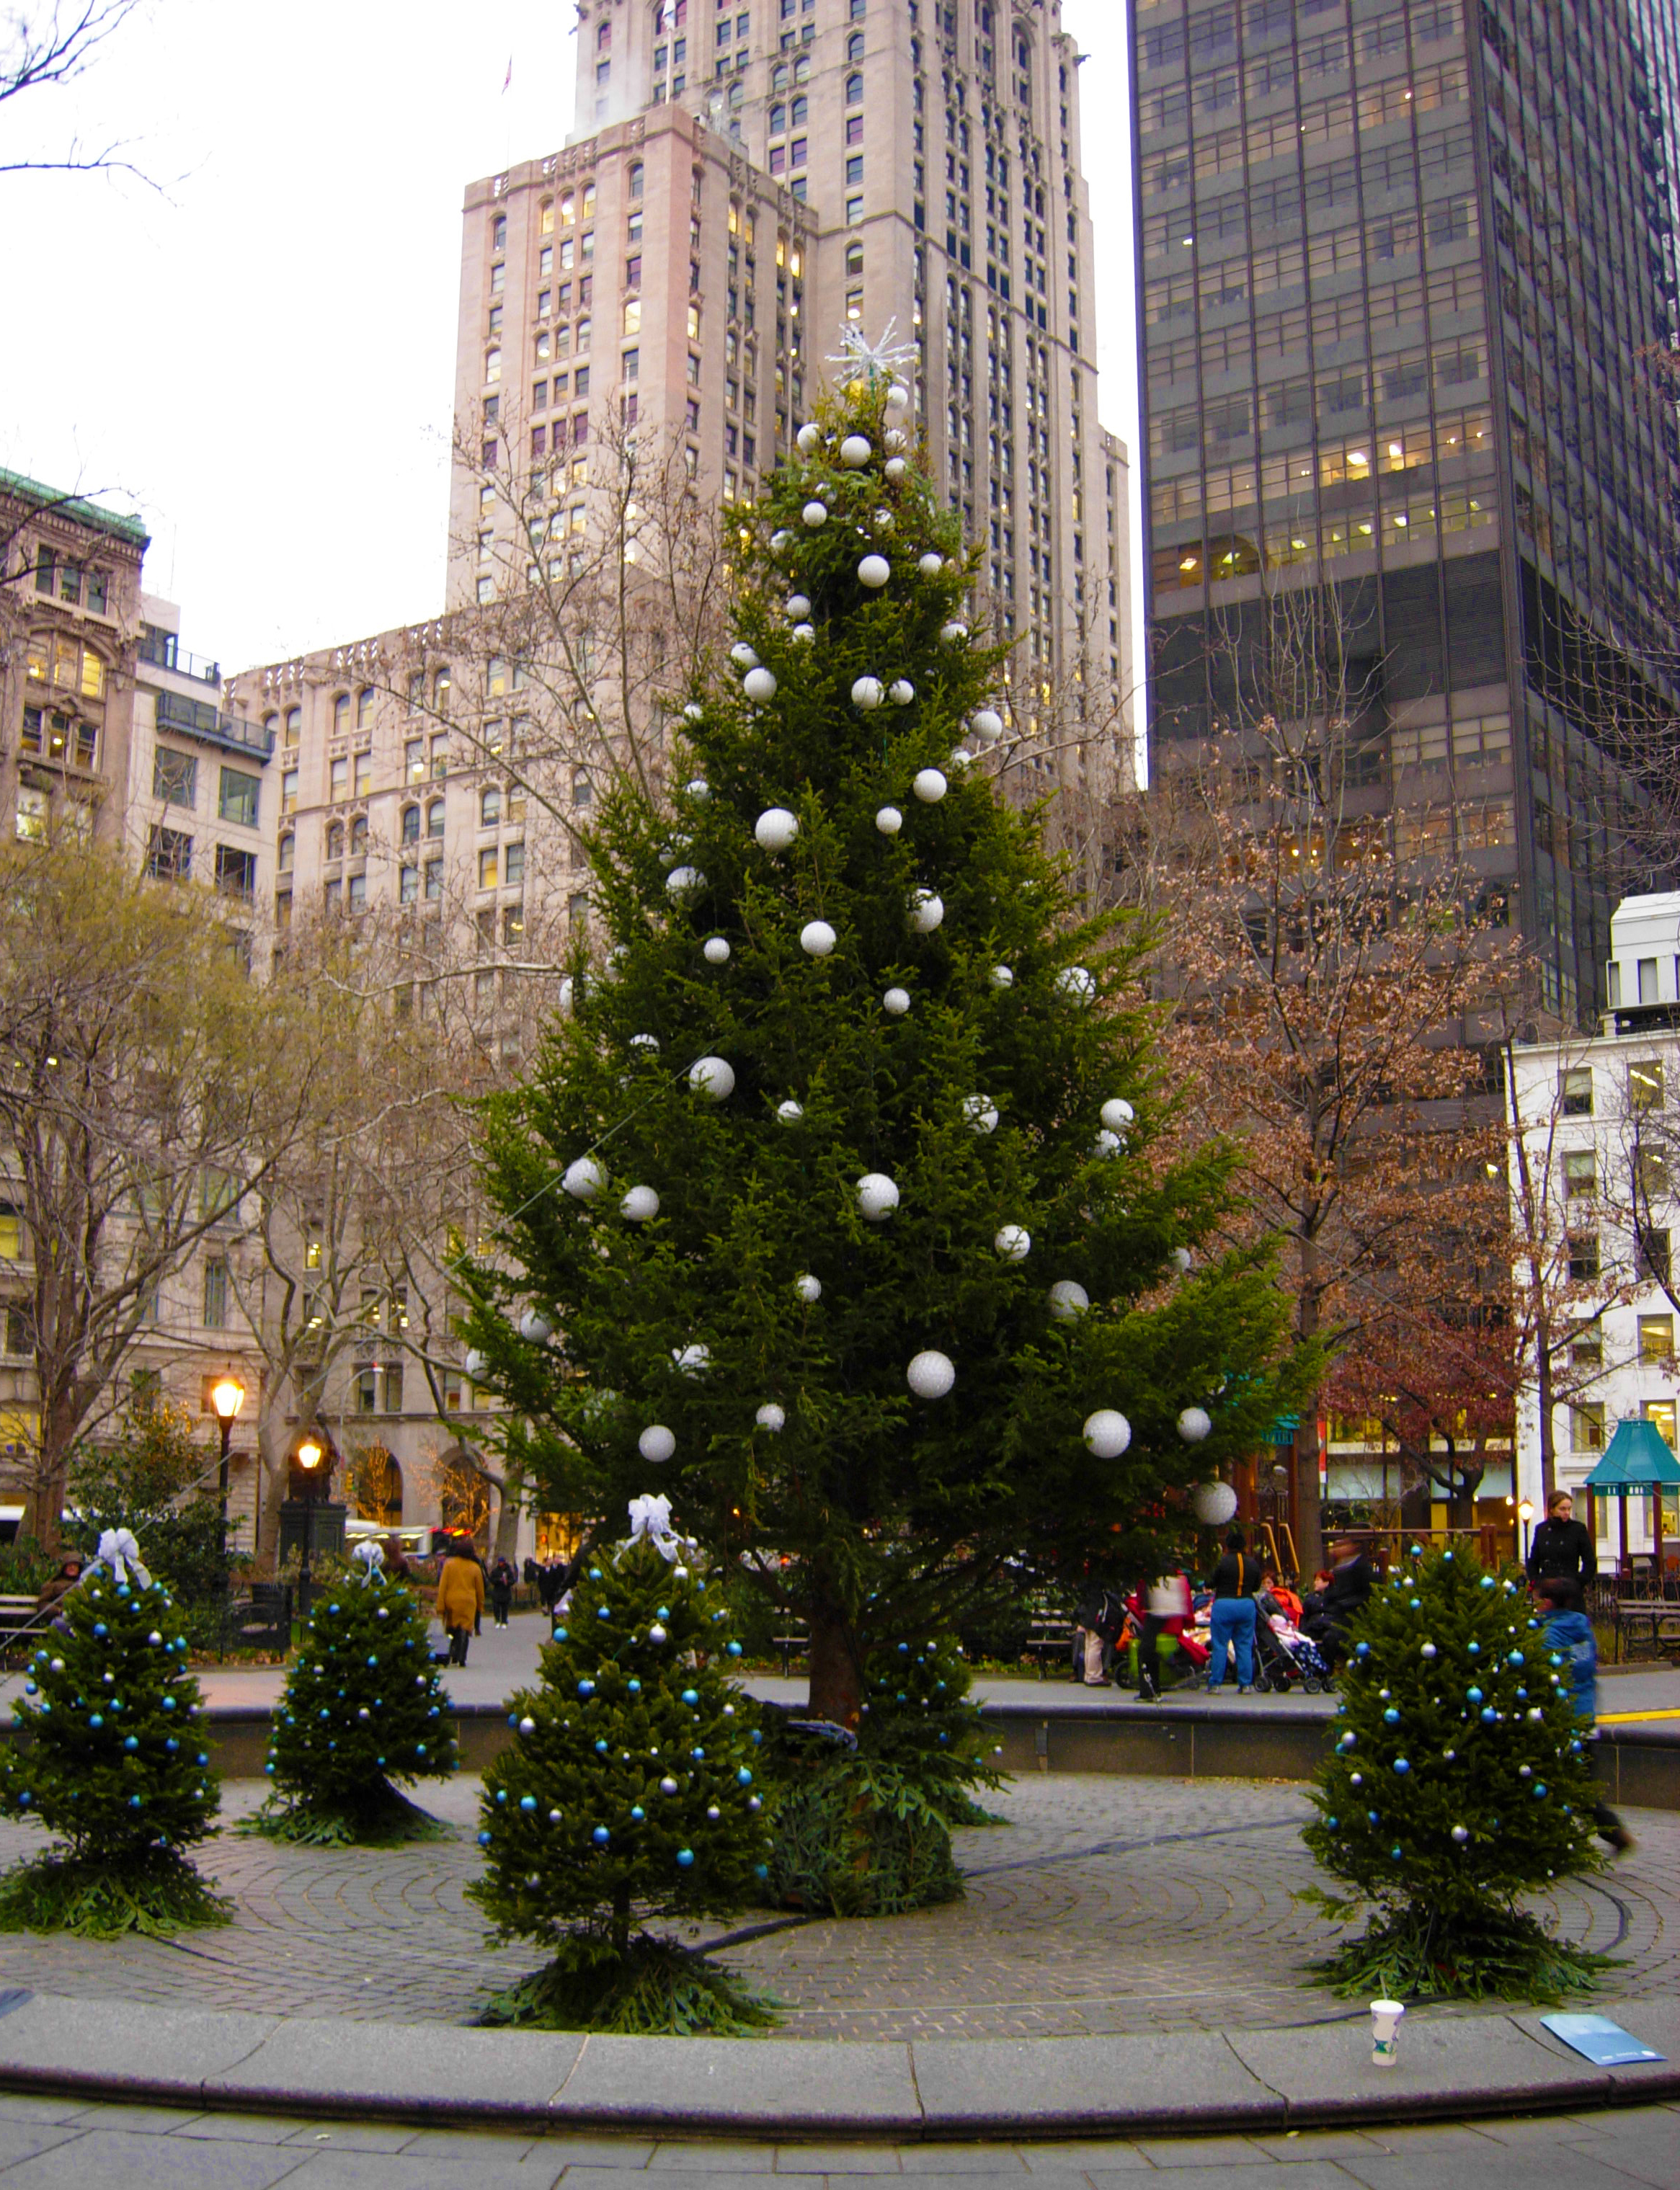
(744, 180)
(1404, 265)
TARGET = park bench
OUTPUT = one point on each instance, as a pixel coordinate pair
(795, 1644)
(19, 1627)
(1647, 1626)
(1048, 1640)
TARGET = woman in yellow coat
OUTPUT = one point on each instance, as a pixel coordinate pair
(460, 1601)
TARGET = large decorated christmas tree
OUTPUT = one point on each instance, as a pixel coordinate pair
(361, 1716)
(1459, 1783)
(632, 1792)
(839, 1198)
(109, 1758)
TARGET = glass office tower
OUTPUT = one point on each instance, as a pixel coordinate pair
(1406, 281)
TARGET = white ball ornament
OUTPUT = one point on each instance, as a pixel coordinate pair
(802, 633)
(1460, 1834)
(895, 467)
(647, 1043)
(896, 1002)
(930, 785)
(759, 686)
(1180, 1259)
(692, 1360)
(1067, 1298)
(817, 939)
(641, 1205)
(901, 691)
(931, 1375)
(1077, 983)
(698, 789)
(781, 542)
(474, 1363)
(797, 607)
(962, 758)
(1003, 977)
(770, 1416)
(1195, 1424)
(1013, 1243)
(790, 1112)
(656, 1444)
(684, 882)
(1106, 1144)
(1107, 1433)
(927, 910)
(814, 516)
(1213, 1503)
(895, 440)
(568, 994)
(874, 571)
(742, 655)
(867, 695)
(694, 713)
(716, 950)
(1117, 1114)
(712, 1076)
(855, 452)
(808, 1289)
(889, 820)
(584, 1179)
(897, 397)
(534, 1328)
(877, 1196)
(931, 564)
(809, 437)
(953, 634)
(979, 1114)
(987, 725)
(775, 828)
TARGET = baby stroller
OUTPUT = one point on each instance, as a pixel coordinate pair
(1287, 1657)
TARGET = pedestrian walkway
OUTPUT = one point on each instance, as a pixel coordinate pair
(53, 2144)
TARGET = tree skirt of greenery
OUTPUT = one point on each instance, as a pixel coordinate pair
(655, 1989)
(853, 1838)
(1481, 1954)
(155, 1894)
(386, 1821)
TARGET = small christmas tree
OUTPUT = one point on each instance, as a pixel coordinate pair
(363, 1709)
(917, 1716)
(110, 1758)
(1459, 1782)
(630, 1794)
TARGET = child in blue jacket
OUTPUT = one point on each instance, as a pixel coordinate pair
(1569, 1633)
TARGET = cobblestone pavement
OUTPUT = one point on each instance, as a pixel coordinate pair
(47, 2144)
(1109, 1905)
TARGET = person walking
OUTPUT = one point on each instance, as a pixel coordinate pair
(502, 1580)
(460, 1599)
(1568, 1633)
(1167, 1610)
(1231, 1621)
(1563, 1550)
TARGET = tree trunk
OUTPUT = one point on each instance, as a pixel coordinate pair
(511, 1507)
(837, 1671)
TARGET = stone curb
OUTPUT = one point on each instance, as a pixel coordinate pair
(1315, 2076)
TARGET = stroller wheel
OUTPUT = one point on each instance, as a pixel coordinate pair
(1263, 1680)
(1312, 1685)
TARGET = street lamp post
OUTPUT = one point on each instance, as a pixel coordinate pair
(1525, 1514)
(310, 1453)
(227, 1397)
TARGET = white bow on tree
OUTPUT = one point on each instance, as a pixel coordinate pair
(117, 1552)
(371, 1554)
(650, 1516)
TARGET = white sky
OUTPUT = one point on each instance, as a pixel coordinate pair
(259, 357)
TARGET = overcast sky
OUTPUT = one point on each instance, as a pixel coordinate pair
(257, 355)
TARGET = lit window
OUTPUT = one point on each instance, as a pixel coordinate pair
(340, 780)
(487, 868)
(341, 715)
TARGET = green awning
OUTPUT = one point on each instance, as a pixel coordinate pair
(1637, 1458)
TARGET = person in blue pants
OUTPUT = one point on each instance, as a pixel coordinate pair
(1235, 1579)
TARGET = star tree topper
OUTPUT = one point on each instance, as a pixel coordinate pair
(885, 360)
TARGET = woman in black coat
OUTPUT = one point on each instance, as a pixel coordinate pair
(1563, 1550)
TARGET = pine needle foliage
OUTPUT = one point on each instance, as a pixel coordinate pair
(917, 1717)
(1459, 1783)
(708, 1257)
(107, 1754)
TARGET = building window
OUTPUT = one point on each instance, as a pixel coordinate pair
(435, 881)
(434, 817)
(294, 725)
(174, 777)
(215, 1294)
(1575, 1086)
(358, 893)
(287, 853)
(490, 806)
(238, 797)
(341, 715)
(487, 868)
(1656, 1338)
(334, 841)
(411, 825)
(1651, 1262)
(1587, 1427)
(364, 772)
(582, 791)
(168, 855)
(288, 791)
(236, 873)
(339, 780)
(414, 761)
(1583, 1258)
(1660, 1414)
(492, 366)
(1644, 1084)
(1580, 1180)
(359, 836)
(512, 865)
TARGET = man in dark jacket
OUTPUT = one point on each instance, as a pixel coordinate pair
(1351, 1582)
(1563, 1550)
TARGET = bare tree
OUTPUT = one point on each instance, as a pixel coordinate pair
(46, 48)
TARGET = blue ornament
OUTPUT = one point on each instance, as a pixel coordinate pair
(1446, 1558)
(1371, 1817)
(586, 1688)
(1391, 1716)
(1514, 1658)
(743, 1778)
(732, 1649)
(502, 1793)
(1489, 1714)
(171, 1744)
(1362, 1649)
(603, 1612)
(1487, 1581)
(1401, 1765)
(31, 1688)
(96, 1720)
(100, 1629)
(131, 1743)
(1539, 1791)
(690, 1696)
(637, 1814)
(168, 1703)
(600, 1749)
(761, 1870)
(699, 1754)
(527, 1801)
(755, 1737)
(1395, 1851)
(268, 1768)
(634, 1687)
(332, 1607)
(1472, 1695)
(483, 1840)
(1332, 1823)
(1474, 1650)
(372, 1661)
(133, 1801)
(684, 1859)
(600, 1836)
(595, 1574)
(560, 1634)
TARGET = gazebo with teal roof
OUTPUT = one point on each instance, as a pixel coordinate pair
(1635, 1463)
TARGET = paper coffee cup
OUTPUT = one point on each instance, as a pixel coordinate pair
(1385, 2031)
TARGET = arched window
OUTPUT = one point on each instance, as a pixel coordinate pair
(294, 725)
(801, 107)
(490, 806)
(411, 825)
(365, 707)
(271, 725)
(855, 49)
(341, 715)
(334, 841)
(377, 1483)
(493, 366)
(636, 179)
(288, 852)
(358, 835)
(582, 791)
(434, 818)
